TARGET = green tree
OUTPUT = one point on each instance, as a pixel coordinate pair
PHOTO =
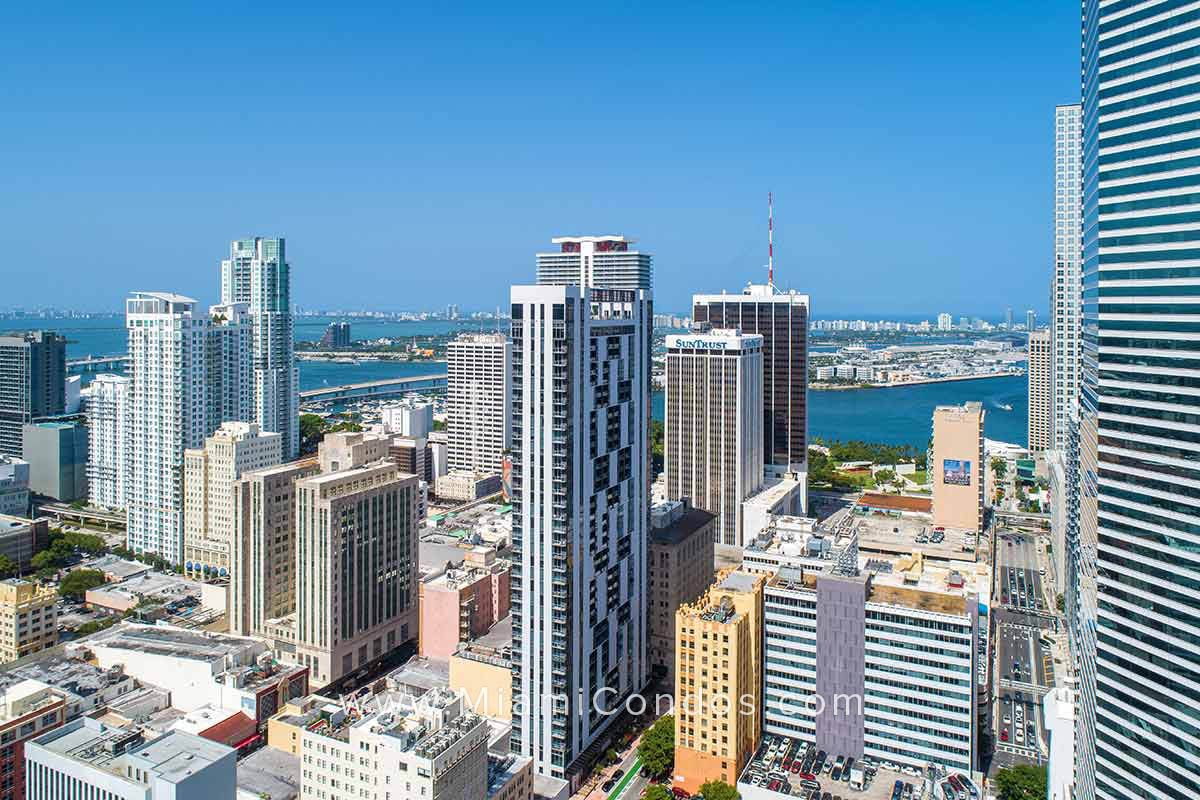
(1000, 467)
(8, 567)
(77, 582)
(1061, 603)
(718, 790)
(657, 433)
(657, 792)
(657, 747)
(885, 476)
(95, 625)
(1022, 782)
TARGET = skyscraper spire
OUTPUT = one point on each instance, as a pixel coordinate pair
(770, 242)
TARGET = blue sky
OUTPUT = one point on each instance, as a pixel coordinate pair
(414, 157)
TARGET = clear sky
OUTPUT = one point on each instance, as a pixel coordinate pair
(414, 157)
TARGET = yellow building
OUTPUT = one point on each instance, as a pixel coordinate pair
(718, 681)
(484, 675)
(28, 618)
(957, 468)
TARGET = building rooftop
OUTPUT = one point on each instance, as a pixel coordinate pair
(165, 640)
(174, 755)
(680, 526)
(773, 491)
(502, 769)
(896, 502)
(269, 772)
(65, 674)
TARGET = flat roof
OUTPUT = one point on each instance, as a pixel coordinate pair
(165, 640)
(270, 772)
(687, 524)
(896, 502)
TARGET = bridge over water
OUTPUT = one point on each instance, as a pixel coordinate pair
(371, 389)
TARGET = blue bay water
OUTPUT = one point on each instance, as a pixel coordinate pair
(891, 416)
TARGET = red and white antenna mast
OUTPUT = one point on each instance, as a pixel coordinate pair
(770, 243)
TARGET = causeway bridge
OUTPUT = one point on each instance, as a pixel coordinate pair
(372, 389)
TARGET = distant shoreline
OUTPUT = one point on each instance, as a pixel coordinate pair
(919, 382)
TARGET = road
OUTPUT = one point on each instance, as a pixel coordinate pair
(1025, 666)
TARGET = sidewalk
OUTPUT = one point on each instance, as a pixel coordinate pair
(628, 759)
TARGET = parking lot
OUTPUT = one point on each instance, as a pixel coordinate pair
(778, 769)
(893, 536)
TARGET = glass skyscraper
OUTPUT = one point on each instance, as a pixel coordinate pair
(1136, 596)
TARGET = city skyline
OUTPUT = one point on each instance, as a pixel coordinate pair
(385, 189)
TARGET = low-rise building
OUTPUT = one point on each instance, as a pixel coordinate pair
(14, 486)
(461, 603)
(28, 708)
(89, 758)
(432, 748)
(28, 618)
(679, 563)
(718, 681)
(466, 486)
(84, 686)
(783, 496)
(483, 674)
(510, 777)
(20, 538)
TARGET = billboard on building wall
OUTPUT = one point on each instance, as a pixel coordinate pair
(956, 472)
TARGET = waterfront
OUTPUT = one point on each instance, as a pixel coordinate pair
(893, 415)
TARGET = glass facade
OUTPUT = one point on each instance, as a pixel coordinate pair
(1135, 546)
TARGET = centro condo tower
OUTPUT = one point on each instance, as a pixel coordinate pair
(581, 405)
(1135, 601)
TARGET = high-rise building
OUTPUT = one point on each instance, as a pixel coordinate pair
(1064, 293)
(1008, 319)
(680, 556)
(356, 580)
(604, 261)
(1030, 320)
(187, 375)
(718, 663)
(478, 385)
(409, 417)
(580, 483)
(258, 274)
(57, 454)
(957, 471)
(713, 442)
(105, 404)
(33, 372)
(1134, 555)
(336, 336)
(262, 579)
(945, 322)
(781, 318)
(209, 476)
(1041, 425)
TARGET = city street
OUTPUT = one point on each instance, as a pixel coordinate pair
(1024, 662)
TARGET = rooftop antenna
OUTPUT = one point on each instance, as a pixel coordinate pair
(770, 242)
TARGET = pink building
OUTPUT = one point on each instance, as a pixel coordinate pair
(461, 604)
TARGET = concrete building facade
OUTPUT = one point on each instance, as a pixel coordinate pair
(958, 470)
(713, 440)
(14, 486)
(57, 453)
(605, 261)
(105, 405)
(209, 477)
(1065, 298)
(679, 557)
(1041, 392)
(581, 414)
(28, 709)
(28, 618)
(718, 681)
(478, 405)
(262, 580)
(33, 371)
(356, 558)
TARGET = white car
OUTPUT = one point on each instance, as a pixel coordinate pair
(1007, 721)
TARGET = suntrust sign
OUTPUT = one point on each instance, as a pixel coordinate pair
(699, 344)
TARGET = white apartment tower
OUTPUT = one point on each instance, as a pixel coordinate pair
(105, 402)
(714, 416)
(1065, 297)
(257, 273)
(478, 382)
(595, 261)
(168, 412)
(209, 478)
(1041, 426)
(581, 515)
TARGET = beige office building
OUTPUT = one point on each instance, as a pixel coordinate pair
(262, 571)
(356, 557)
(1041, 392)
(713, 448)
(718, 681)
(28, 618)
(209, 475)
(478, 390)
(957, 468)
(679, 561)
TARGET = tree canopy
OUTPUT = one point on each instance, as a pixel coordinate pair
(718, 790)
(657, 747)
(657, 792)
(1022, 782)
(77, 582)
